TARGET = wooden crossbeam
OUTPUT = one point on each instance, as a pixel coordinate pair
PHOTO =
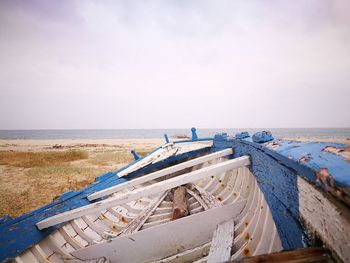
(159, 174)
(145, 191)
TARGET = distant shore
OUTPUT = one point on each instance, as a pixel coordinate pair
(110, 144)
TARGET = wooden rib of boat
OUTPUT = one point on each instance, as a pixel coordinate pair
(200, 200)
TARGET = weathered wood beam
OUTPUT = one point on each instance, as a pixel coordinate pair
(159, 174)
(222, 242)
(180, 204)
(145, 191)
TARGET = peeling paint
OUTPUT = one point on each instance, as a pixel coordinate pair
(273, 145)
(324, 178)
(305, 158)
(344, 152)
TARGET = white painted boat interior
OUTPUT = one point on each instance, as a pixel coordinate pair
(148, 190)
(161, 173)
(247, 230)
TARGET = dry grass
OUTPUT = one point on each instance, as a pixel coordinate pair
(29, 180)
(108, 158)
(35, 159)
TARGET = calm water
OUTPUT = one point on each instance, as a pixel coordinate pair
(340, 133)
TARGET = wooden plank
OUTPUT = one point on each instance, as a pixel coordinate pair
(166, 151)
(221, 244)
(163, 240)
(310, 254)
(160, 174)
(145, 191)
(137, 222)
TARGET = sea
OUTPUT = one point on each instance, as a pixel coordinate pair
(322, 133)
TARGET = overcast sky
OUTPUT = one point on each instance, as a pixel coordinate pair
(174, 64)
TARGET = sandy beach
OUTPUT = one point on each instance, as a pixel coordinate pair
(27, 182)
(87, 144)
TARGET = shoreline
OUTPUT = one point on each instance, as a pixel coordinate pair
(86, 144)
(110, 144)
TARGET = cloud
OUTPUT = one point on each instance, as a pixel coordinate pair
(136, 64)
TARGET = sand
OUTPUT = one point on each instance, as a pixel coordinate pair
(87, 144)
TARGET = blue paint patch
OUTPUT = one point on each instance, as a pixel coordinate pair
(263, 136)
(4, 219)
(194, 133)
(136, 156)
(166, 138)
(220, 137)
(310, 158)
(242, 135)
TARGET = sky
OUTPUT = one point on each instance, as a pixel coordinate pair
(174, 64)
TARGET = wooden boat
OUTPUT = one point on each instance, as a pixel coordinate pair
(200, 200)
